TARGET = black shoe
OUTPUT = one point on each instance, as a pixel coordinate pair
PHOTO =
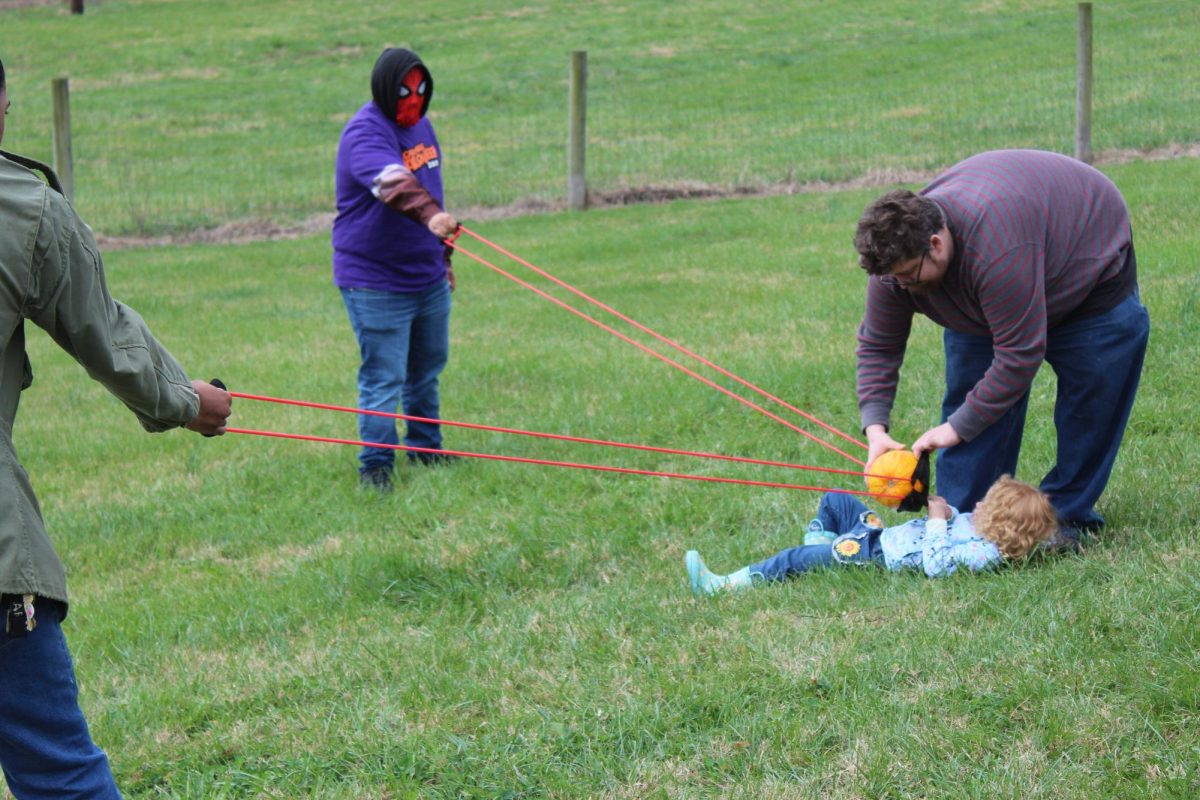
(377, 478)
(432, 459)
(1064, 540)
(1088, 528)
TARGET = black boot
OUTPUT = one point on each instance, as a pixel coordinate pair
(377, 478)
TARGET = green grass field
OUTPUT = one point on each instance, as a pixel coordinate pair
(191, 114)
(247, 623)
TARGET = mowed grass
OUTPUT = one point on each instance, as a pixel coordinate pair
(246, 622)
(189, 114)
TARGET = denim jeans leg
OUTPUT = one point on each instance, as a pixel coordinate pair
(793, 561)
(45, 748)
(381, 322)
(806, 558)
(428, 352)
(839, 512)
(1098, 361)
(966, 471)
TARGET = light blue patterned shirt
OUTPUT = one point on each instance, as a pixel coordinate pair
(938, 547)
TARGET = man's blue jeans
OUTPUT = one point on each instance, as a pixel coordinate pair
(404, 341)
(45, 747)
(838, 513)
(1098, 361)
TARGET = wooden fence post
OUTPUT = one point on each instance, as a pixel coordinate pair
(1083, 86)
(577, 132)
(63, 164)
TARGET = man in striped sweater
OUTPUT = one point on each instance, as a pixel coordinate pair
(1022, 257)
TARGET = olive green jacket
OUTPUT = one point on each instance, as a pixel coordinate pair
(52, 275)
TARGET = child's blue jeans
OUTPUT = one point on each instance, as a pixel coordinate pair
(45, 748)
(838, 513)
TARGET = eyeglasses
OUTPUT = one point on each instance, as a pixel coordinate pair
(912, 278)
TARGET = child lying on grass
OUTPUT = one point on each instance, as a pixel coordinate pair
(1008, 523)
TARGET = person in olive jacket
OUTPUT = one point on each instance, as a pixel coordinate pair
(51, 274)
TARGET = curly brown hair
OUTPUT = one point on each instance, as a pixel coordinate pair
(895, 228)
(1015, 517)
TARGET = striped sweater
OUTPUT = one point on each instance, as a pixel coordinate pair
(1039, 239)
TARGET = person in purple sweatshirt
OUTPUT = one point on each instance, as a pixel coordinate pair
(1022, 256)
(391, 264)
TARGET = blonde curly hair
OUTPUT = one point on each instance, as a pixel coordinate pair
(1015, 517)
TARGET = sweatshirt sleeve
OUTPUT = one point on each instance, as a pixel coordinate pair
(399, 188)
(69, 299)
(882, 340)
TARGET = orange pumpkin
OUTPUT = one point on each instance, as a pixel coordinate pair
(889, 477)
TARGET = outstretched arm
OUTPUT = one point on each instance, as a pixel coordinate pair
(882, 341)
(68, 297)
(399, 188)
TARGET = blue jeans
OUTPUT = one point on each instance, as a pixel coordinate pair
(45, 747)
(1098, 361)
(838, 513)
(404, 341)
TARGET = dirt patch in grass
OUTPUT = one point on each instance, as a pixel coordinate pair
(258, 230)
(66, 7)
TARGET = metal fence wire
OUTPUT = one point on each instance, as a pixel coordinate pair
(791, 106)
(759, 123)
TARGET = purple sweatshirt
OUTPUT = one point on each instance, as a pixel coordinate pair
(374, 245)
(1039, 239)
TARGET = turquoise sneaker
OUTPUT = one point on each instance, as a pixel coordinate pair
(704, 581)
(816, 534)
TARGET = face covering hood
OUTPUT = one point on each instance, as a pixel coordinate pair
(388, 76)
